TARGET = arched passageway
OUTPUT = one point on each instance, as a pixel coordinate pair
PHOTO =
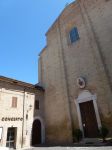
(36, 133)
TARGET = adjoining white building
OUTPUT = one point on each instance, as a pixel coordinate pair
(19, 102)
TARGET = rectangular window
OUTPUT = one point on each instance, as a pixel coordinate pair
(74, 35)
(14, 102)
(37, 104)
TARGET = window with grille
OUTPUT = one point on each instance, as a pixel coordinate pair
(14, 102)
(74, 35)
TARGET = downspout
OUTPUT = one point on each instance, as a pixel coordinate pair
(22, 141)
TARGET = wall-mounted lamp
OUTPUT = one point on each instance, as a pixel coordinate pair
(29, 108)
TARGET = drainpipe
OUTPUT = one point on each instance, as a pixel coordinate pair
(22, 142)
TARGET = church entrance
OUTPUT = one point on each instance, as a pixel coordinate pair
(36, 133)
(89, 121)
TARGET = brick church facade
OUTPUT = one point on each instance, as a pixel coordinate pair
(75, 68)
(75, 82)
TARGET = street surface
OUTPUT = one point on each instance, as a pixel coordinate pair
(71, 148)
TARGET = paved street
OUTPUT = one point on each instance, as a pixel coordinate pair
(72, 148)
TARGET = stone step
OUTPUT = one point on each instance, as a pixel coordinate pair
(91, 140)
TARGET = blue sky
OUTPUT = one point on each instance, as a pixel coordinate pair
(23, 24)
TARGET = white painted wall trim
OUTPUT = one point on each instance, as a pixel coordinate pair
(85, 96)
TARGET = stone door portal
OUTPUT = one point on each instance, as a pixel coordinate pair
(89, 121)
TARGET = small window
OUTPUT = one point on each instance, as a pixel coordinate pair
(14, 102)
(26, 116)
(37, 104)
(74, 35)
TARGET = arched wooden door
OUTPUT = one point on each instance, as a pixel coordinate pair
(36, 133)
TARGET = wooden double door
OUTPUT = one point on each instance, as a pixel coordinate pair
(89, 122)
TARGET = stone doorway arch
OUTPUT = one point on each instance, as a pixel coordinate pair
(36, 132)
(87, 97)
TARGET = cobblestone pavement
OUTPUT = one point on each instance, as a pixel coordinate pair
(71, 148)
